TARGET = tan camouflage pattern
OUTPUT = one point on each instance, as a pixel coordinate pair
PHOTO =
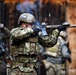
(16, 71)
(50, 40)
(21, 32)
(53, 51)
(26, 49)
(56, 48)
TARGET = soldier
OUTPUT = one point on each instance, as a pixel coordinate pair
(59, 53)
(26, 42)
(4, 54)
(60, 48)
(64, 45)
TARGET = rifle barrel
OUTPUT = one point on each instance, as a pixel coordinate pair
(72, 26)
(56, 26)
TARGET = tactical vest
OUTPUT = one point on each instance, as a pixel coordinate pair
(25, 55)
(55, 51)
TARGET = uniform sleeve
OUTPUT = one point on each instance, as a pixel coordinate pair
(19, 33)
(50, 40)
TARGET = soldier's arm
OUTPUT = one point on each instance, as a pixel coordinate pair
(50, 40)
(6, 33)
(19, 33)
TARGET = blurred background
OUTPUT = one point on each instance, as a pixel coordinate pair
(50, 11)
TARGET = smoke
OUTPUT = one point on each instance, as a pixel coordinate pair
(26, 7)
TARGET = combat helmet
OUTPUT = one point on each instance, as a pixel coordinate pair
(27, 18)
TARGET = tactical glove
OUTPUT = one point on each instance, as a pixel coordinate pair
(36, 30)
(61, 28)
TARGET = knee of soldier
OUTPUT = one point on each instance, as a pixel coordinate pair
(2, 66)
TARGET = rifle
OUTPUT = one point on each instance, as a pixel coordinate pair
(44, 26)
(57, 26)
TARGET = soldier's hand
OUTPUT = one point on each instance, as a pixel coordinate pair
(29, 30)
(36, 30)
(64, 26)
(45, 38)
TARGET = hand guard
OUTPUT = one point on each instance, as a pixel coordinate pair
(64, 26)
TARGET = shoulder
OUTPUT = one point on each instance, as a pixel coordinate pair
(15, 29)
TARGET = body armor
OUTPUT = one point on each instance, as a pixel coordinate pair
(25, 49)
(55, 51)
(25, 54)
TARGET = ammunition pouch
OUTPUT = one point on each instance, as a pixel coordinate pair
(25, 62)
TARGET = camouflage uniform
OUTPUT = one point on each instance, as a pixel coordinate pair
(60, 48)
(4, 35)
(25, 48)
(58, 53)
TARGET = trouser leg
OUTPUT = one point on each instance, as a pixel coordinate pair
(2, 68)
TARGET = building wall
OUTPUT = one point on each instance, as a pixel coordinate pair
(71, 18)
